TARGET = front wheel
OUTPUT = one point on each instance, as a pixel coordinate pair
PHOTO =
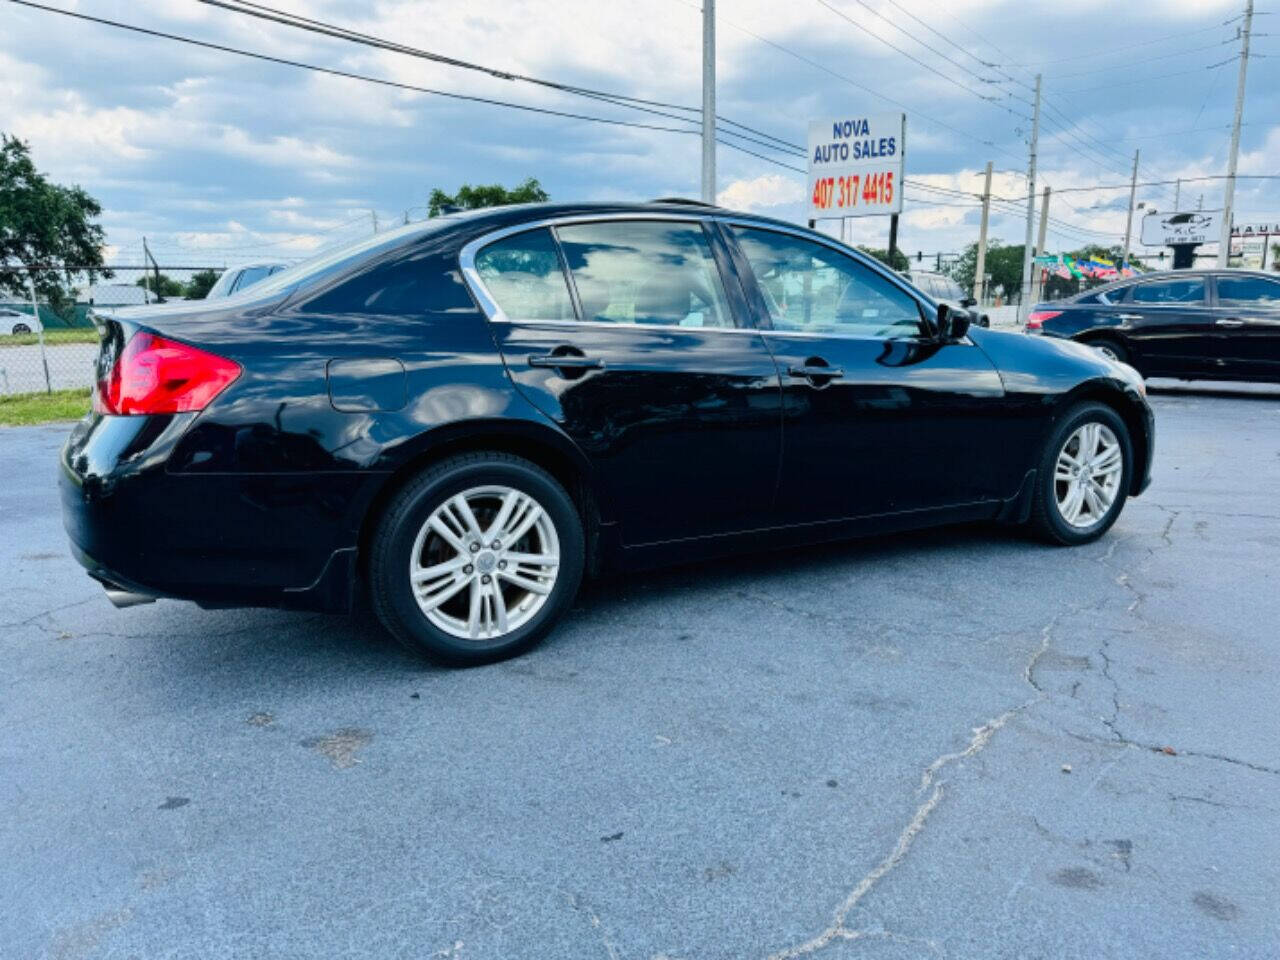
(1083, 477)
(476, 559)
(19, 328)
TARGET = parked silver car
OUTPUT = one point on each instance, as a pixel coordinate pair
(235, 279)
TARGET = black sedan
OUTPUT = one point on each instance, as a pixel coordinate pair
(1190, 324)
(455, 421)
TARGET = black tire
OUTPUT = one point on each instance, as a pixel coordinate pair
(1046, 520)
(1111, 346)
(392, 545)
(20, 328)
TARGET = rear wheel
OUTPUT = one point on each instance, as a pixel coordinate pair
(21, 328)
(476, 559)
(1111, 349)
(1083, 477)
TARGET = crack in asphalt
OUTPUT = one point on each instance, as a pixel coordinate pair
(978, 741)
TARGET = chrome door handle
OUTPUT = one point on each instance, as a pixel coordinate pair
(566, 361)
(1128, 316)
(1228, 322)
(815, 371)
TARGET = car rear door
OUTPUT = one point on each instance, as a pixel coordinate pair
(881, 417)
(1247, 321)
(1170, 325)
(627, 334)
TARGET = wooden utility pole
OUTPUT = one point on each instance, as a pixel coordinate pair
(979, 270)
(1040, 239)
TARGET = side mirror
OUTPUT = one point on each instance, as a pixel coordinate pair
(952, 324)
(968, 302)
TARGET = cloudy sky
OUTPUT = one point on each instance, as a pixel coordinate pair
(217, 158)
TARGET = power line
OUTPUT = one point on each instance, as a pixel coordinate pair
(1136, 43)
(1145, 80)
(1135, 63)
(781, 48)
(312, 25)
(914, 59)
(376, 80)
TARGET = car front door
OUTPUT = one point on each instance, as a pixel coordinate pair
(1170, 324)
(880, 416)
(1247, 321)
(626, 334)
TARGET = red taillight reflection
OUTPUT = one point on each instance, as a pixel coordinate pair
(1036, 318)
(157, 375)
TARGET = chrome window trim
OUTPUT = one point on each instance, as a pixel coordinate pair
(489, 306)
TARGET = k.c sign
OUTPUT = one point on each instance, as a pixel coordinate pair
(855, 165)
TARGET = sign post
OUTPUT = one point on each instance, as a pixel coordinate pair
(855, 166)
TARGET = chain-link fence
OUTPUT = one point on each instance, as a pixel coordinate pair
(45, 348)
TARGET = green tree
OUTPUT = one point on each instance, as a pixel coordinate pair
(1275, 256)
(485, 195)
(201, 283)
(161, 285)
(900, 261)
(1003, 263)
(46, 229)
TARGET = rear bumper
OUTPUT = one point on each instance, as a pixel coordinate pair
(217, 539)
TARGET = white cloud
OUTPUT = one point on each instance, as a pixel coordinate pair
(759, 193)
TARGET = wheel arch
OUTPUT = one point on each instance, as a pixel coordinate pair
(537, 443)
(1128, 409)
(1091, 335)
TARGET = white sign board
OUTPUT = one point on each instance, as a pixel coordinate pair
(855, 165)
(1167, 229)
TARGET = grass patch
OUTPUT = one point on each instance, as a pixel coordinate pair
(76, 335)
(26, 409)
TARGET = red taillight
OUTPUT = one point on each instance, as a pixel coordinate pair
(1036, 318)
(157, 375)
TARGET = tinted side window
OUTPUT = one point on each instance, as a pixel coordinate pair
(1249, 290)
(523, 275)
(813, 288)
(645, 271)
(1170, 291)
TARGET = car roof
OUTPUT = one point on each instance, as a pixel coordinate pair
(1172, 275)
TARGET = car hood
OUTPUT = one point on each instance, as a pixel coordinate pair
(1049, 364)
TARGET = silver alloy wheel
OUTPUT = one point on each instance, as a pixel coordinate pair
(1087, 474)
(484, 562)
(1108, 351)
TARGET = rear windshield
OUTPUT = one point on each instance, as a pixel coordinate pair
(339, 258)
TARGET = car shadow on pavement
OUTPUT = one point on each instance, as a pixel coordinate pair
(1218, 389)
(315, 650)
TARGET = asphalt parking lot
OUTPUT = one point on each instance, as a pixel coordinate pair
(954, 744)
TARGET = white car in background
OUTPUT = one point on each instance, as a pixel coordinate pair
(15, 321)
(945, 290)
(235, 279)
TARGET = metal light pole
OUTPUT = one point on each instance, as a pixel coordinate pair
(980, 267)
(1224, 245)
(708, 101)
(1031, 207)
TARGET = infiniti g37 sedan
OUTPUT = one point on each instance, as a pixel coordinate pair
(453, 422)
(1191, 324)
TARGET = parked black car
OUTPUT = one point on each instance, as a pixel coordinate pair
(1191, 324)
(456, 419)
